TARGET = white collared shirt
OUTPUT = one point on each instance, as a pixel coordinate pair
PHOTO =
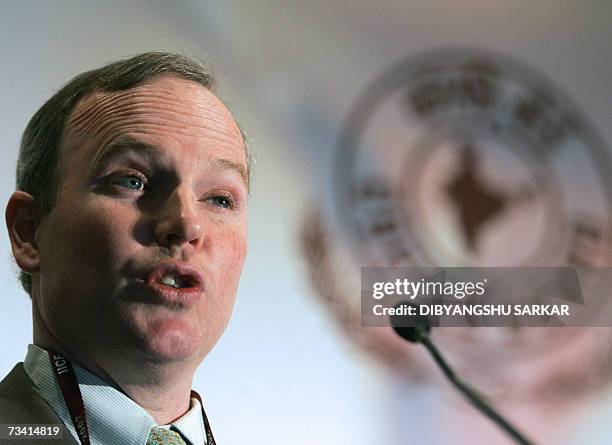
(112, 417)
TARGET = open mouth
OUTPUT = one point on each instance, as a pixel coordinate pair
(174, 281)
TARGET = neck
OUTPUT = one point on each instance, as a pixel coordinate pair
(163, 389)
(166, 399)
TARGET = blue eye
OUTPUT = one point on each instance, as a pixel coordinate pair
(130, 182)
(223, 201)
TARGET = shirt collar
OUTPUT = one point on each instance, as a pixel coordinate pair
(112, 417)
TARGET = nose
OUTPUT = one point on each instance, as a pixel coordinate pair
(178, 220)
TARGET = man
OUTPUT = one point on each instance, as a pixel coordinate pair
(129, 224)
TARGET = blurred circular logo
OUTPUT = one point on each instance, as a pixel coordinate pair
(464, 158)
(468, 158)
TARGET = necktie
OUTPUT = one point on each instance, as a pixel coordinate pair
(162, 436)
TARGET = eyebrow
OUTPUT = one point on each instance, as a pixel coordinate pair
(126, 144)
(226, 164)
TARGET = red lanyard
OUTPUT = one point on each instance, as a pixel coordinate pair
(74, 400)
(210, 440)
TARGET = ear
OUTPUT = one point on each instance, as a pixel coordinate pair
(22, 224)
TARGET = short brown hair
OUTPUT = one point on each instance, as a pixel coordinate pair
(37, 171)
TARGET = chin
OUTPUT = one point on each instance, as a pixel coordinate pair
(173, 348)
(167, 342)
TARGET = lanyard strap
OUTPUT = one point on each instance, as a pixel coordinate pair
(72, 394)
(210, 440)
(74, 400)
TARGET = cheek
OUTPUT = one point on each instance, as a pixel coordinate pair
(89, 241)
(230, 257)
(232, 247)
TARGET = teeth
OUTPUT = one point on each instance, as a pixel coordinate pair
(171, 280)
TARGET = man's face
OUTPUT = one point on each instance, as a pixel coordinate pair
(143, 249)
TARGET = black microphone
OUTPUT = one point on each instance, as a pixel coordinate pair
(418, 332)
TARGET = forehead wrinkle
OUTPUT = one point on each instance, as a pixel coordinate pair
(107, 135)
(109, 109)
(89, 108)
(99, 103)
(144, 93)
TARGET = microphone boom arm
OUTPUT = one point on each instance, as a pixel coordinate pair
(421, 336)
